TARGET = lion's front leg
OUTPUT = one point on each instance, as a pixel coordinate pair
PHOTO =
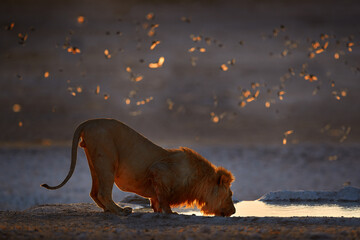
(165, 207)
(160, 178)
(162, 207)
(160, 203)
(155, 205)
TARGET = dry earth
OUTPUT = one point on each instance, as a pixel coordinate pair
(86, 221)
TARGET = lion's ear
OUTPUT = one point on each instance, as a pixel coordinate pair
(224, 177)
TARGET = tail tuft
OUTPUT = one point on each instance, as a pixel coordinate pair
(45, 186)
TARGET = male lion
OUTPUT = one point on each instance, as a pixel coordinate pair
(168, 177)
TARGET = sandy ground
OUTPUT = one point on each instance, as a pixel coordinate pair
(85, 221)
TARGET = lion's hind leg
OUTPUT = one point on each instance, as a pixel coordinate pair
(95, 182)
(102, 172)
(95, 189)
(106, 182)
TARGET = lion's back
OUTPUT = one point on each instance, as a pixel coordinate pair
(110, 129)
(116, 136)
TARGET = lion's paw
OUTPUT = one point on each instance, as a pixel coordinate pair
(125, 211)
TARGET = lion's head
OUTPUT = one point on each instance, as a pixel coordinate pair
(219, 199)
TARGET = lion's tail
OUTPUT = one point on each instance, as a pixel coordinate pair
(74, 147)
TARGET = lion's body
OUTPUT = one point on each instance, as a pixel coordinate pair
(169, 177)
(122, 150)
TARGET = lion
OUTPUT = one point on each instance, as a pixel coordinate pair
(168, 177)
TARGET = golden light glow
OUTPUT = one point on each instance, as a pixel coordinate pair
(154, 44)
(73, 50)
(232, 61)
(158, 64)
(214, 117)
(349, 45)
(250, 99)
(284, 52)
(10, 26)
(22, 37)
(170, 104)
(324, 36)
(315, 45)
(107, 53)
(288, 132)
(326, 45)
(195, 38)
(152, 30)
(150, 16)
(310, 78)
(255, 85)
(319, 51)
(242, 104)
(138, 78)
(142, 102)
(46, 74)
(16, 108)
(153, 65)
(224, 67)
(246, 93)
(81, 19)
(161, 61)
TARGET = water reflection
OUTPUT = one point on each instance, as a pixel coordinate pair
(281, 209)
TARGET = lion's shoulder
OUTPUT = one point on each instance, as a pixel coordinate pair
(197, 160)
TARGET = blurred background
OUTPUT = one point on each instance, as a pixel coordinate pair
(245, 83)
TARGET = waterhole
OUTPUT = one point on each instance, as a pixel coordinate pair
(288, 209)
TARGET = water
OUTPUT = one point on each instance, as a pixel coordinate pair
(282, 209)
